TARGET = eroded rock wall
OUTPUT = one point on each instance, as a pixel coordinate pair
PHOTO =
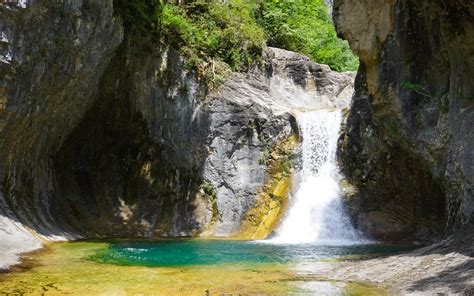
(251, 113)
(52, 56)
(408, 146)
(104, 131)
(159, 155)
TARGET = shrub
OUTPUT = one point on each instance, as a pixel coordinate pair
(220, 34)
(304, 26)
(212, 31)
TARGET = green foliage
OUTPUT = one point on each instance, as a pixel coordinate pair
(417, 88)
(210, 192)
(209, 32)
(218, 36)
(304, 26)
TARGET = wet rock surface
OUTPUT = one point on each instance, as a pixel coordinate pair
(444, 268)
(252, 112)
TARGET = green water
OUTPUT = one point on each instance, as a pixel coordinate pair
(184, 267)
(169, 253)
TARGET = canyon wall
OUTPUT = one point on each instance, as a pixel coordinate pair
(51, 60)
(408, 147)
(105, 132)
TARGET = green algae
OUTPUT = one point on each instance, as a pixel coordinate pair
(360, 289)
(70, 268)
(67, 269)
(260, 221)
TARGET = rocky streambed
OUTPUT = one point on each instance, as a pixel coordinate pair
(194, 267)
(445, 268)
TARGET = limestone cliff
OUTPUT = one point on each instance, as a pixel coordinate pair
(105, 131)
(409, 143)
(51, 59)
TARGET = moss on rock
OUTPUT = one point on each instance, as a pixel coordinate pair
(261, 220)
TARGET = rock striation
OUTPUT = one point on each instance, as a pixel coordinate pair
(408, 144)
(252, 112)
(51, 59)
(104, 135)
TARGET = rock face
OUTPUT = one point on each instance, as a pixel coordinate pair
(159, 155)
(104, 135)
(250, 113)
(408, 146)
(51, 59)
(330, 5)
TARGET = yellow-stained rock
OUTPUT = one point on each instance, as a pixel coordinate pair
(262, 219)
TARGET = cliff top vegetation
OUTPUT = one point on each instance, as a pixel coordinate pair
(231, 34)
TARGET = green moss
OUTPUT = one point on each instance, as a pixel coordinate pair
(417, 88)
(443, 104)
(264, 216)
(211, 194)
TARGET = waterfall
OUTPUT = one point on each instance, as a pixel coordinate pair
(316, 214)
(330, 4)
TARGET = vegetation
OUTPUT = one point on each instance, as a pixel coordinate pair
(304, 26)
(210, 193)
(417, 88)
(214, 31)
(263, 217)
(218, 36)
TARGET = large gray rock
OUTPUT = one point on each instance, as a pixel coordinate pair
(253, 111)
(409, 144)
(52, 55)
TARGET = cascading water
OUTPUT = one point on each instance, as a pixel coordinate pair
(317, 214)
